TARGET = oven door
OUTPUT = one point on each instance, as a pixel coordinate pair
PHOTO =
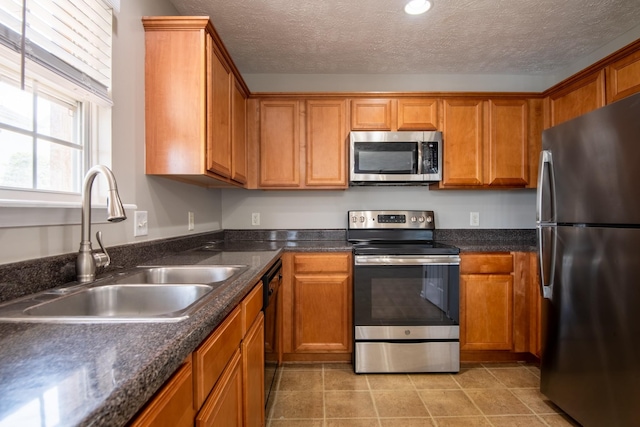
(406, 313)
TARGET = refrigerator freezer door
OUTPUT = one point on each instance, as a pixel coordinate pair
(591, 359)
(595, 162)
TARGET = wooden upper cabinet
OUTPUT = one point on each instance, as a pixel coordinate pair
(303, 144)
(326, 147)
(417, 114)
(508, 154)
(394, 114)
(238, 134)
(189, 78)
(279, 144)
(219, 112)
(463, 135)
(578, 98)
(486, 143)
(623, 77)
(371, 114)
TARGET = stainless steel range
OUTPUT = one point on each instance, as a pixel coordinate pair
(406, 294)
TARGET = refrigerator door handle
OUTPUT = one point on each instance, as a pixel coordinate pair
(546, 276)
(546, 164)
(546, 224)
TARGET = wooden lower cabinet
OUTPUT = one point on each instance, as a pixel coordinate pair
(500, 306)
(253, 374)
(486, 307)
(173, 404)
(317, 306)
(224, 406)
(222, 382)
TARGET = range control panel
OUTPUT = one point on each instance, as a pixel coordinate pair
(391, 219)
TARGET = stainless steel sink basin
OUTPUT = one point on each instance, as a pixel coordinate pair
(132, 301)
(142, 294)
(182, 274)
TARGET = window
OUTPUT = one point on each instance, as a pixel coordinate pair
(55, 77)
(41, 139)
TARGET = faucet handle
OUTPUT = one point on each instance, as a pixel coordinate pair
(102, 258)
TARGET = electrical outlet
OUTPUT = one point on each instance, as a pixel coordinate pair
(255, 218)
(474, 219)
(192, 222)
(140, 223)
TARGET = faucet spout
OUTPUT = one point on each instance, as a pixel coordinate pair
(87, 261)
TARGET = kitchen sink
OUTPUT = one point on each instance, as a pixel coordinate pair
(131, 301)
(142, 294)
(182, 274)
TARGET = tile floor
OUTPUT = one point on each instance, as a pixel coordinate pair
(331, 395)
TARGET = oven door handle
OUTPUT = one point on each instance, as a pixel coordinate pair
(407, 260)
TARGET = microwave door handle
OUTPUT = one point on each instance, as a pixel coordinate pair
(420, 158)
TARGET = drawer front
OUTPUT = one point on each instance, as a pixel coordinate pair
(173, 405)
(486, 263)
(322, 263)
(251, 306)
(213, 354)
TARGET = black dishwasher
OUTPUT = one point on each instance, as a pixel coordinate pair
(271, 284)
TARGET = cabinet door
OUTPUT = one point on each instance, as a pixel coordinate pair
(279, 144)
(211, 357)
(316, 293)
(321, 313)
(371, 114)
(417, 114)
(224, 405)
(623, 77)
(507, 148)
(173, 405)
(219, 80)
(238, 135)
(253, 373)
(175, 101)
(486, 312)
(581, 97)
(326, 147)
(463, 135)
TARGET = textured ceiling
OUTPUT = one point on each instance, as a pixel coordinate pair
(534, 37)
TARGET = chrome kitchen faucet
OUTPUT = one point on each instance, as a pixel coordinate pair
(87, 261)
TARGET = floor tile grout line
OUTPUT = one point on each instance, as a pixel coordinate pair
(473, 401)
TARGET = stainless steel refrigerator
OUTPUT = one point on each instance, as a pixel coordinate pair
(588, 220)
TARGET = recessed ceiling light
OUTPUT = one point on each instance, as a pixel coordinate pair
(416, 7)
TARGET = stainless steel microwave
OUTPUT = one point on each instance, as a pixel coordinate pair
(395, 158)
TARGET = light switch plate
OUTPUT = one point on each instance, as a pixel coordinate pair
(140, 223)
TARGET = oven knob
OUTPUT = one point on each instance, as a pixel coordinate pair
(421, 219)
(429, 219)
(361, 219)
(413, 219)
(354, 219)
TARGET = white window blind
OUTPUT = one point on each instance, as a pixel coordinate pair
(72, 38)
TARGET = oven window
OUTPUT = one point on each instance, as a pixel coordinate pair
(406, 295)
(386, 158)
